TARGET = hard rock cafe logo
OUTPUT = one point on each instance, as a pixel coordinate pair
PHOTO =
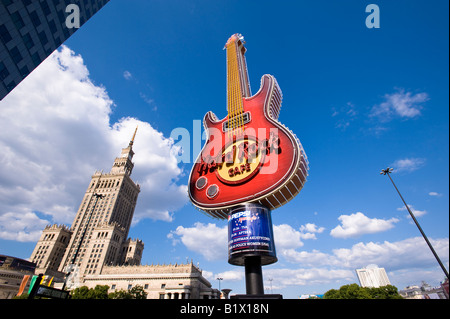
(242, 159)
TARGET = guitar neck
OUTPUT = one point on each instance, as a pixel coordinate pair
(237, 77)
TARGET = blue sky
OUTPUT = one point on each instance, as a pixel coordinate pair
(359, 99)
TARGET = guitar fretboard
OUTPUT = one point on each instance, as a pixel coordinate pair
(237, 83)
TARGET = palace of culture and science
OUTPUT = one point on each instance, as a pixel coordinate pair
(96, 249)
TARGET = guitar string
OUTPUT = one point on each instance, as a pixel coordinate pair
(235, 97)
(237, 94)
(230, 91)
(230, 124)
(235, 91)
(233, 88)
(239, 119)
(230, 88)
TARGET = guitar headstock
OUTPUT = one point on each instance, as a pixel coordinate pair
(235, 38)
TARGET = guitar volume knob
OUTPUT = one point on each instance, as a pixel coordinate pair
(212, 191)
(201, 182)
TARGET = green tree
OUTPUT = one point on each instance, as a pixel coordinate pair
(332, 294)
(99, 292)
(120, 294)
(354, 291)
(385, 292)
(137, 292)
(80, 293)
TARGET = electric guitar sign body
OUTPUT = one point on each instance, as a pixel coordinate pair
(248, 156)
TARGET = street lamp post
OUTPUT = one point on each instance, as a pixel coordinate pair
(271, 279)
(219, 279)
(387, 172)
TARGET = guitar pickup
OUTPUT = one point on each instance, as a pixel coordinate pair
(236, 121)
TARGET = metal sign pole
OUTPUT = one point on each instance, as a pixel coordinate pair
(251, 244)
(253, 276)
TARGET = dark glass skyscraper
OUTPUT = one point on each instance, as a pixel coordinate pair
(30, 30)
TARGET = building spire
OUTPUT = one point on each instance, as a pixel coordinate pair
(134, 135)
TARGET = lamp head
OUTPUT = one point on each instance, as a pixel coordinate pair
(386, 171)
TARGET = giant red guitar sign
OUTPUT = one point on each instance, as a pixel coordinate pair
(249, 157)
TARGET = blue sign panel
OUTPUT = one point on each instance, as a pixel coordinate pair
(250, 234)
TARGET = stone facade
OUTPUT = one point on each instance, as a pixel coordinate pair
(50, 248)
(173, 281)
(12, 272)
(99, 233)
(101, 225)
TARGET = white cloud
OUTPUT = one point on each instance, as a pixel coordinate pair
(416, 212)
(56, 133)
(404, 254)
(410, 253)
(208, 240)
(149, 101)
(22, 228)
(309, 231)
(317, 267)
(311, 228)
(344, 115)
(231, 275)
(285, 277)
(155, 169)
(286, 237)
(407, 164)
(127, 75)
(401, 103)
(315, 258)
(434, 194)
(414, 276)
(358, 224)
(235, 275)
(194, 238)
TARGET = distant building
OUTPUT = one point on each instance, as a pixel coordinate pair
(173, 281)
(50, 249)
(31, 30)
(311, 297)
(444, 286)
(12, 272)
(425, 291)
(372, 276)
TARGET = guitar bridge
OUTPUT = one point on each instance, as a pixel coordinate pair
(236, 121)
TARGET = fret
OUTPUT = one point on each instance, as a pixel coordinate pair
(237, 84)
